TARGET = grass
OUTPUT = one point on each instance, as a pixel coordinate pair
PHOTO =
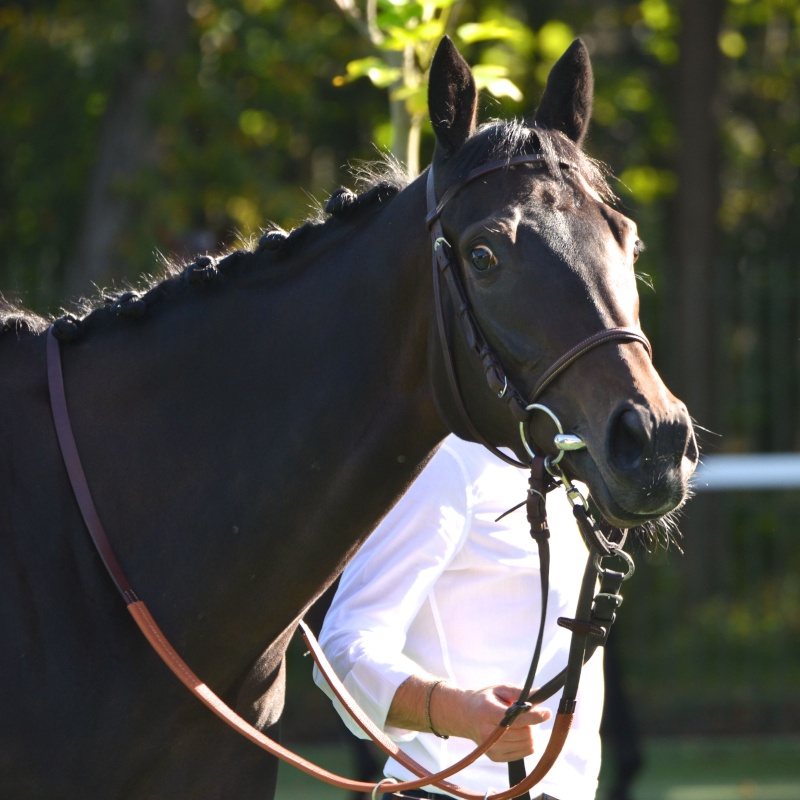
(674, 769)
(720, 769)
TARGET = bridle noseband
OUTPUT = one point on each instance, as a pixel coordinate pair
(497, 379)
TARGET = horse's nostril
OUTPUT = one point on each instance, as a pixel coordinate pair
(629, 441)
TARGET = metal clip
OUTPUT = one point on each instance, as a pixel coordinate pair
(615, 598)
(502, 392)
(617, 553)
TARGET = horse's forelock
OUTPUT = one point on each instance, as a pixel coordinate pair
(502, 140)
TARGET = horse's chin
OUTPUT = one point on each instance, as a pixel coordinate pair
(619, 517)
(627, 504)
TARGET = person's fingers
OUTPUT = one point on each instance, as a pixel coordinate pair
(516, 743)
(510, 751)
(507, 695)
(534, 716)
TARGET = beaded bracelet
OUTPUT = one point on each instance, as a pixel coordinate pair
(428, 722)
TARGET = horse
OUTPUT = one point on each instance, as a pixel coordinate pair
(246, 421)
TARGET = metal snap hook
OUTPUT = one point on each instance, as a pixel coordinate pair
(617, 552)
(573, 493)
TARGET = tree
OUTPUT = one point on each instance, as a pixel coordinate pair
(695, 211)
(127, 144)
(405, 34)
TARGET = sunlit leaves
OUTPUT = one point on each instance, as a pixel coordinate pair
(732, 43)
(553, 38)
(659, 22)
(647, 184)
(495, 30)
(404, 36)
(374, 68)
(494, 79)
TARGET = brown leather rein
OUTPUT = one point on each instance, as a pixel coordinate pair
(141, 615)
(594, 616)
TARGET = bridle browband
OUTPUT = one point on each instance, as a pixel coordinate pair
(444, 269)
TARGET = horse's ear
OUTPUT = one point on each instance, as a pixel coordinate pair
(566, 104)
(452, 97)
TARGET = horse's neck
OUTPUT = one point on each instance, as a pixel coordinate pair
(266, 448)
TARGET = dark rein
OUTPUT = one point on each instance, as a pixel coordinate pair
(594, 613)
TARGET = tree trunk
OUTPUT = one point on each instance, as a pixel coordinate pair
(692, 312)
(125, 147)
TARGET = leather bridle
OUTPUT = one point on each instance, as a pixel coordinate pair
(446, 270)
(595, 612)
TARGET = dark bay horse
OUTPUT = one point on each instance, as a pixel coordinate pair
(244, 425)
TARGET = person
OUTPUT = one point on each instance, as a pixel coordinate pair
(434, 623)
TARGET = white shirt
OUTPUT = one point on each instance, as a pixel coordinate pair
(440, 586)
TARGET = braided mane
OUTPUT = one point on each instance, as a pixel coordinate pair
(376, 184)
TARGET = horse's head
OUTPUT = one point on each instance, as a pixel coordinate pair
(520, 217)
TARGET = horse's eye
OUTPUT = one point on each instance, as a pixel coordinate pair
(638, 248)
(482, 257)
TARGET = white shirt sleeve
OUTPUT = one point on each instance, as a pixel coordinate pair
(386, 583)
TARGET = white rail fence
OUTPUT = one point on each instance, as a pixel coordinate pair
(723, 473)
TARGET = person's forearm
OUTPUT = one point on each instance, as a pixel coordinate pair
(422, 703)
(419, 706)
(432, 705)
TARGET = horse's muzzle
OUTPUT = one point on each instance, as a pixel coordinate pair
(649, 460)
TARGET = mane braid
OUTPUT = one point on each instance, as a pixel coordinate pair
(15, 319)
(377, 183)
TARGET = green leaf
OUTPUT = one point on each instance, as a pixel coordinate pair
(554, 38)
(503, 87)
(416, 99)
(494, 79)
(374, 68)
(483, 31)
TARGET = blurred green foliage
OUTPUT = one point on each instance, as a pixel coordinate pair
(264, 108)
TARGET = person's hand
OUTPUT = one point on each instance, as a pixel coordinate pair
(474, 714)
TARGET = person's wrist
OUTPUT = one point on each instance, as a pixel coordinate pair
(434, 685)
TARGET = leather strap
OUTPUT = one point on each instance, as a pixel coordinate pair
(574, 353)
(202, 692)
(435, 209)
(77, 477)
